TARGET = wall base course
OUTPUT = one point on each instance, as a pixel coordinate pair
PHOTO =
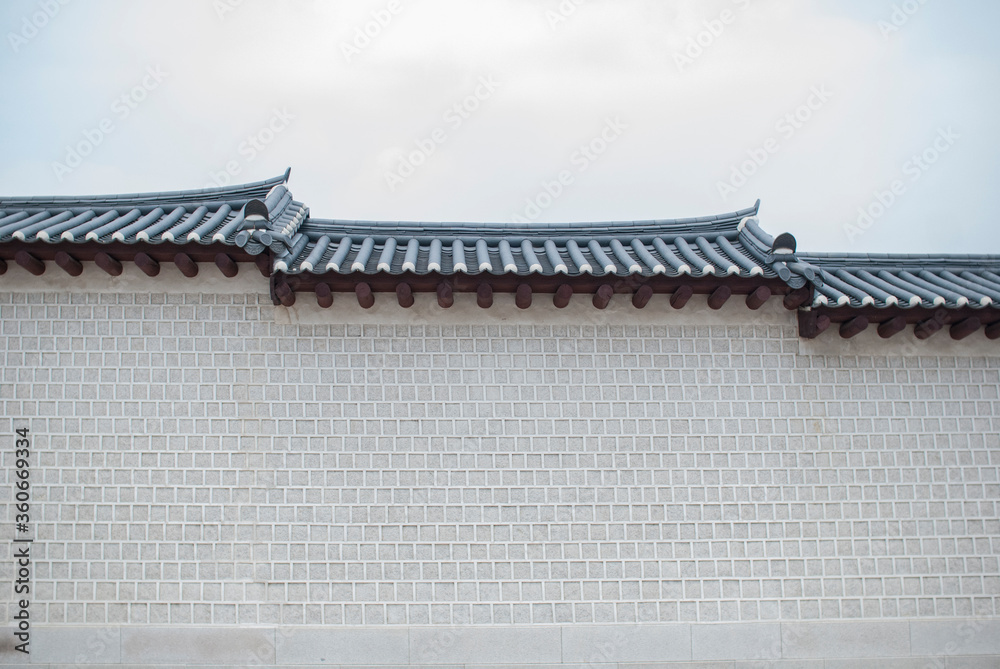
(881, 644)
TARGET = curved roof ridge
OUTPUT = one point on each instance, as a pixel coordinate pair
(868, 259)
(718, 224)
(247, 191)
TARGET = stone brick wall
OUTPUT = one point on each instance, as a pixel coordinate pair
(210, 459)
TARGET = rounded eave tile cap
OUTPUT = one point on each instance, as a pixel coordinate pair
(68, 236)
(634, 269)
(433, 267)
(91, 237)
(383, 267)
(535, 268)
(708, 269)
(784, 244)
(142, 236)
(867, 300)
(280, 266)
(610, 269)
(962, 301)
(409, 267)
(255, 210)
(891, 301)
(756, 271)
(938, 301)
(19, 235)
(659, 269)
(485, 267)
(684, 269)
(334, 266)
(561, 269)
(821, 300)
(306, 266)
(194, 237)
(842, 300)
(586, 269)
(357, 267)
(986, 301)
(915, 301)
(732, 269)
(167, 237)
(461, 267)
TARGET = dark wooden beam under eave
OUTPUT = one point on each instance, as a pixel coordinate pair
(29, 262)
(993, 331)
(853, 327)
(891, 327)
(522, 297)
(107, 263)
(812, 324)
(564, 293)
(285, 294)
(187, 265)
(758, 297)
(797, 298)
(642, 297)
(69, 264)
(149, 266)
(404, 295)
(263, 263)
(602, 298)
(366, 298)
(226, 265)
(484, 296)
(681, 296)
(719, 297)
(445, 295)
(324, 296)
(964, 328)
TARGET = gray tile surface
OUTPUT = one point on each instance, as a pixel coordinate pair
(959, 637)
(164, 645)
(870, 639)
(341, 646)
(483, 645)
(626, 643)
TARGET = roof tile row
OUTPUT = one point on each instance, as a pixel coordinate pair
(724, 245)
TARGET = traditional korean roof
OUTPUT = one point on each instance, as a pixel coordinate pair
(695, 247)
(897, 290)
(201, 216)
(718, 256)
(905, 281)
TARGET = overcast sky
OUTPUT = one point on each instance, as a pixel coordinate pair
(530, 110)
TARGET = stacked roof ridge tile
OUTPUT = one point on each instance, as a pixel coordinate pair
(730, 244)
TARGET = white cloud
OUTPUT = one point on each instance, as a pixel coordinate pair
(687, 126)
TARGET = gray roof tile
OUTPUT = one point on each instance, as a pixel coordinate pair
(905, 280)
(211, 214)
(720, 245)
